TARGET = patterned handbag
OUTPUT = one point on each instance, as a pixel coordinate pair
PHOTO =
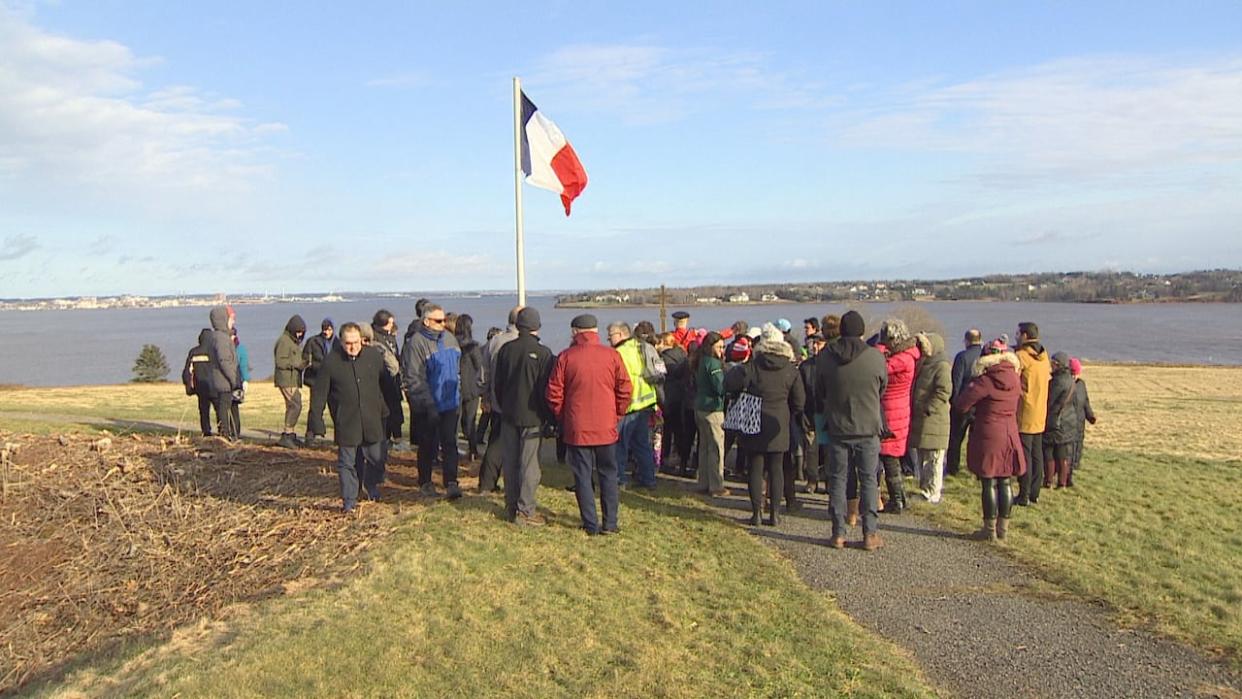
(744, 414)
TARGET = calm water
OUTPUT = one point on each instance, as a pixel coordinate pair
(63, 348)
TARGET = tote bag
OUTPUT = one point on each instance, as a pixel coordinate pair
(745, 412)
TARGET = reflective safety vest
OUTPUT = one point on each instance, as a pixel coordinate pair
(644, 393)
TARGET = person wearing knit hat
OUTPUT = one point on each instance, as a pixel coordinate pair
(739, 351)
(1083, 414)
(850, 376)
(522, 369)
(771, 376)
(315, 352)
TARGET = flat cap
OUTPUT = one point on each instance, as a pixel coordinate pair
(586, 321)
(680, 315)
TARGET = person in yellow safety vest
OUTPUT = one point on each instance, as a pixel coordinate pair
(634, 438)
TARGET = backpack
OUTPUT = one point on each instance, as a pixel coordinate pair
(654, 369)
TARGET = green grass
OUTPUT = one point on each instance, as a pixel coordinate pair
(1158, 538)
(459, 603)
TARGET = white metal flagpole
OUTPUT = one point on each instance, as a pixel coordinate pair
(517, 189)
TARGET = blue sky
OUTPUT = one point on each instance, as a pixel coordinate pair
(155, 147)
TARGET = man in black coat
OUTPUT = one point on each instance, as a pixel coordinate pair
(521, 381)
(959, 423)
(225, 373)
(350, 377)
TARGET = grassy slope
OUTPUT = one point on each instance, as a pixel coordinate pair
(460, 603)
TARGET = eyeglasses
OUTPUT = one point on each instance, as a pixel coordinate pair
(437, 320)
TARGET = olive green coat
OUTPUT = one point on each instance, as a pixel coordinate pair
(289, 362)
(929, 422)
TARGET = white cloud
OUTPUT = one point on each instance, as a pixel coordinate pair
(1121, 119)
(17, 246)
(647, 83)
(74, 113)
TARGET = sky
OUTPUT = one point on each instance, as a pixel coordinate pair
(151, 147)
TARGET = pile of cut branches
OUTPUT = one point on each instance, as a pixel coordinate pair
(108, 538)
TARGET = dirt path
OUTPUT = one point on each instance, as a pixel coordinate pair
(980, 624)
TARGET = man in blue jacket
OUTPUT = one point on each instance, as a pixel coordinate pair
(430, 363)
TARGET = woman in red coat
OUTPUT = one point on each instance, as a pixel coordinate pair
(901, 353)
(994, 453)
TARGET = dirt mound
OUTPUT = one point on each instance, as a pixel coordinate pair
(117, 537)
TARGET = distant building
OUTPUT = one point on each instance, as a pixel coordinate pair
(769, 298)
(740, 297)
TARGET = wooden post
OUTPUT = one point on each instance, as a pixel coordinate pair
(663, 311)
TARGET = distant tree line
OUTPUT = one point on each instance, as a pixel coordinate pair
(1220, 285)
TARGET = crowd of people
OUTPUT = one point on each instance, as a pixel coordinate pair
(843, 411)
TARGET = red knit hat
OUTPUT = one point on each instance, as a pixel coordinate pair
(739, 351)
(1075, 366)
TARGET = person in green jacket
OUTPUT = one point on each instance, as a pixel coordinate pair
(288, 377)
(929, 422)
(708, 368)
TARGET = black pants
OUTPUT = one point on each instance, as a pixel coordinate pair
(791, 464)
(396, 416)
(205, 404)
(892, 479)
(224, 415)
(437, 436)
(314, 418)
(235, 415)
(996, 502)
(1031, 481)
(678, 433)
(470, 426)
(769, 462)
(489, 471)
(959, 426)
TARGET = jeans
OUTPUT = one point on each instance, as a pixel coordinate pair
(1031, 481)
(711, 450)
(861, 457)
(437, 436)
(520, 462)
(635, 440)
(584, 462)
(348, 459)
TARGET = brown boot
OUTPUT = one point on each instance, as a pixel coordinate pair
(1002, 525)
(851, 512)
(872, 542)
(987, 532)
(837, 542)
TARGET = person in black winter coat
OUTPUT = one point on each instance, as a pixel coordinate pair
(384, 328)
(350, 377)
(1060, 433)
(196, 375)
(772, 376)
(225, 372)
(315, 352)
(678, 412)
(471, 369)
(521, 381)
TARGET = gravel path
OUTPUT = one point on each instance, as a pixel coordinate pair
(979, 624)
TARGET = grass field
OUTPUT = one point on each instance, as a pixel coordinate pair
(1151, 530)
(457, 602)
(1151, 526)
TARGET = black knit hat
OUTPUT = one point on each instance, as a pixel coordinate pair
(852, 324)
(527, 319)
(586, 321)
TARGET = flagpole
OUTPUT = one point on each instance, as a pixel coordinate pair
(517, 189)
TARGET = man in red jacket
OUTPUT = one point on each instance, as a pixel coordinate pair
(588, 393)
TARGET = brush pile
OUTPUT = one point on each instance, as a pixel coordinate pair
(115, 537)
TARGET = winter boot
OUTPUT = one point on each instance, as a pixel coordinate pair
(1002, 526)
(987, 532)
(896, 496)
(872, 542)
(851, 512)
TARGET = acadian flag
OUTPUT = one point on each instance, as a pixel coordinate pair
(547, 158)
